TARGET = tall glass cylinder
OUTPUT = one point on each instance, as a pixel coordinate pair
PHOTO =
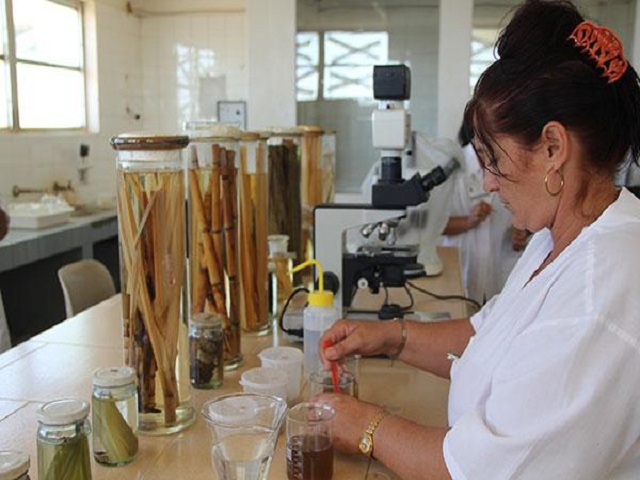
(253, 202)
(311, 192)
(328, 167)
(213, 226)
(285, 178)
(151, 227)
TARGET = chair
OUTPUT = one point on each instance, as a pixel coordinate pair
(84, 284)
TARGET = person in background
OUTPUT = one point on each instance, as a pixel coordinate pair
(545, 378)
(480, 227)
(5, 337)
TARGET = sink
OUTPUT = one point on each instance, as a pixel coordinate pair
(34, 216)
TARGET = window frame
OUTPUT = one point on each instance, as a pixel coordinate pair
(10, 58)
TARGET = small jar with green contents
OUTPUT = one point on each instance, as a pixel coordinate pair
(14, 465)
(114, 405)
(63, 440)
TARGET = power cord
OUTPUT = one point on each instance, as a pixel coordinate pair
(298, 332)
(444, 297)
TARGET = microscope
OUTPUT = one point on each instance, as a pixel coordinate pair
(383, 264)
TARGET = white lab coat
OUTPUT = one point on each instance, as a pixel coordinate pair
(486, 253)
(549, 386)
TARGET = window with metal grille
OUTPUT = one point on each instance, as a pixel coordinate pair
(42, 60)
(334, 65)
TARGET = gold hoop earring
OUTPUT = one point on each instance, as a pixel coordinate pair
(546, 183)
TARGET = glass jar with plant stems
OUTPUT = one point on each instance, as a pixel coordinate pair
(152, 237)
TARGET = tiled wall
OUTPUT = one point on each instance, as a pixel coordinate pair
(190, 62)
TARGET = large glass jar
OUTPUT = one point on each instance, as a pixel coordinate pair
(114, 406)
(253, 202)
(311, 192)
(328, 167)
(152, 237)
(63, 440)
(285, 177)
(213, 230)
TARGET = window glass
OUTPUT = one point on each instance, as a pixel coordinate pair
(4, 100)
(355, 48)
(50, 97)
(47, 32)
(482, 52)
(307, 68)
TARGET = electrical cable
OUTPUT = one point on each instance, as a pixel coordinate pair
(444, 297)
(298, 332)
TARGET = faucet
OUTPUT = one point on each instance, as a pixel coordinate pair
(17, 191)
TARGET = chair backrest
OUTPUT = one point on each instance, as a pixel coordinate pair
(85, 283)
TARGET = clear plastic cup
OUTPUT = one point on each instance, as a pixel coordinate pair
(265, 381)
(289, 360)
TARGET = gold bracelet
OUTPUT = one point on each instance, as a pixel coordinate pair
(403, 339)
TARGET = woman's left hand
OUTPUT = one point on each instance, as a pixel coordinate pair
(351, 420)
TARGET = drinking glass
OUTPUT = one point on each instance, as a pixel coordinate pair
(245, 429)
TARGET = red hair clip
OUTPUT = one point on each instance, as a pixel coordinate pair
(603, 46)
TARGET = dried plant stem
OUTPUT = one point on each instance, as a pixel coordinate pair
(229, 214)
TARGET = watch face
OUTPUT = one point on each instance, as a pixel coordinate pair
(366, 444)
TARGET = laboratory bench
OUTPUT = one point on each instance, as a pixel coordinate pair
(59, 363)
(29, 263)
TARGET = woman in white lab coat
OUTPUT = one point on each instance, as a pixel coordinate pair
(480, 226)
(545, 379)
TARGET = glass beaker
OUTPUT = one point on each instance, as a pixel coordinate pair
(213, 223)
(245, 428)
(253, 202)
(310, 442)
(151, 229)
(285, 176)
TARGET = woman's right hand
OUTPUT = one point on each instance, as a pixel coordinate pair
(351, 337)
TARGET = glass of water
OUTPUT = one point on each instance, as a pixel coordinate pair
(245, 429)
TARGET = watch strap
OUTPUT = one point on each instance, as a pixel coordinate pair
(373, 424)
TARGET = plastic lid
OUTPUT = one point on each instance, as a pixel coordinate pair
(203, 130)
(320, 298)
(281, 355)
(114, 376)
(206, 319)
(63, 412)
(13, 464)
(232, 409)
(264, 376)
(148, 141)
